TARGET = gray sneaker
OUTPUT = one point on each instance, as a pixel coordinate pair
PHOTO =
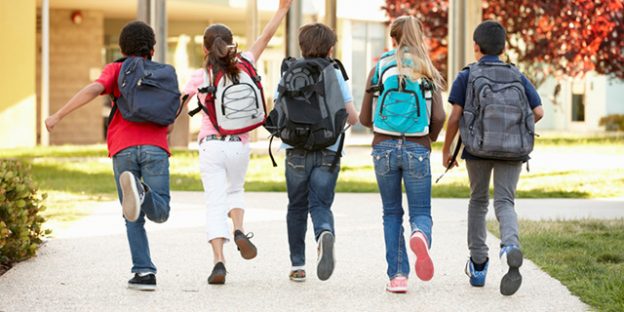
(511, 258)
(326, 262)
(133, 194)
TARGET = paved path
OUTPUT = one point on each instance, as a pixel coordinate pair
(85, 267)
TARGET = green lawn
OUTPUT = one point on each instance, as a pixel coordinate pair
(586, 256)
(76, 175)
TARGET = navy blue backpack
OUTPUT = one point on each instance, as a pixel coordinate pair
(149, 92)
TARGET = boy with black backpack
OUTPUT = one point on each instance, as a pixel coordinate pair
(145, 101)
(495, 109)
(313, 103)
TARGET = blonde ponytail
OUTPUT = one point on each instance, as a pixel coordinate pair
(412, 53)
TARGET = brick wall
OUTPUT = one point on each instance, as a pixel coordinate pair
(75, 50)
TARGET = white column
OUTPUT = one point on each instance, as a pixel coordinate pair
(294, 20)
(154, 13)
(252, 18)
(464, 16)
(45, 70)
(330, 14)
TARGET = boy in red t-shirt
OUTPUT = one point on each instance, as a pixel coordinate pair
(139, 151)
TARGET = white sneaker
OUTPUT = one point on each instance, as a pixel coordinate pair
(132, 196)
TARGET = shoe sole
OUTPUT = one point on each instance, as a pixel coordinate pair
(142, 287)
(247, 249)
(396, 290)
(298, 279)
(424, 264)
(512, 280)
(217, 279)
(130, 194)
(325, 265)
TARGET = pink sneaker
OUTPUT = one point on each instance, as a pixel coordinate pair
(424, 265)
(397, 285)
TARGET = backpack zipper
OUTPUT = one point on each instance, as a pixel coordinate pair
(397, 90)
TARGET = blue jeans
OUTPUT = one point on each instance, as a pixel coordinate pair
(311, 186)
(397, 160)
(151, 165)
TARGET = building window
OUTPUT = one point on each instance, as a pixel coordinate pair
(369, 42)
(578, 107)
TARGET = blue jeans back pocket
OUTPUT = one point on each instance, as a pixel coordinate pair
(295, 159)
(418, 164)
(381, 160)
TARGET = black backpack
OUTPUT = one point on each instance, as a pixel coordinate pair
(309, 110)
(149, 92)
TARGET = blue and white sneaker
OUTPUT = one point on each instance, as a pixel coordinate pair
(477, 278)
(511, 258)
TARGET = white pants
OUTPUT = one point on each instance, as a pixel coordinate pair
(222, 166)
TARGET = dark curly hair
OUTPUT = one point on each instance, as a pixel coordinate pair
(137, 39)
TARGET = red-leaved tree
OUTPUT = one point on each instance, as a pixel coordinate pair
(568, 37)
(434, 17)
(545, 37)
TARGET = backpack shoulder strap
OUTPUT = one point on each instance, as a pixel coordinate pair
(112, 96)
(286, 63)
(338, 65)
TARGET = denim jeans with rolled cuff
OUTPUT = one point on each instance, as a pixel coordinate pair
(150, 164)
(311, 184)
(400, 162)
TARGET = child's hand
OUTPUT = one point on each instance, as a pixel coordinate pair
(51, 122)
(446, 159)
(285, 4)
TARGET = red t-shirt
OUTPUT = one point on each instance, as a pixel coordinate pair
(122, 133)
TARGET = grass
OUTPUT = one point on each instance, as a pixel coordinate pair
(585, 255)
(77, 176)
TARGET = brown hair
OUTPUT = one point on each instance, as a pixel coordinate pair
(408, 33)
(315, 40)
(219, 42)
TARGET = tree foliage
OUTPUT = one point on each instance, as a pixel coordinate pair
(545, 37)
(563, 37)
(433, 15)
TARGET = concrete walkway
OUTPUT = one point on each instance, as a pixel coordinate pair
(85, 268)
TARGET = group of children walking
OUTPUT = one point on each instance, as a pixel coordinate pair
(494, 109)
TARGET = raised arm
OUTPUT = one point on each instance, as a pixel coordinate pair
(84, 96)
(269, 30)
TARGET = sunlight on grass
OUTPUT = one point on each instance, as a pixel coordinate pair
(85, 172)
(585, 255)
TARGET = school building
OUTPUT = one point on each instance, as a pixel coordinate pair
(82, 37)
(53, 48)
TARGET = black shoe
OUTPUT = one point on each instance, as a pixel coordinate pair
(325, 264)
(246, 247)
(146, 282)
(217, 277)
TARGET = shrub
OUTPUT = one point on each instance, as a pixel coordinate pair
(20, 223)
(613, 122)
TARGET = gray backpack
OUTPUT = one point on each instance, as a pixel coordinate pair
(498, 121)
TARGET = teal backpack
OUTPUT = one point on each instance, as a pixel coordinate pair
(403, 106)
